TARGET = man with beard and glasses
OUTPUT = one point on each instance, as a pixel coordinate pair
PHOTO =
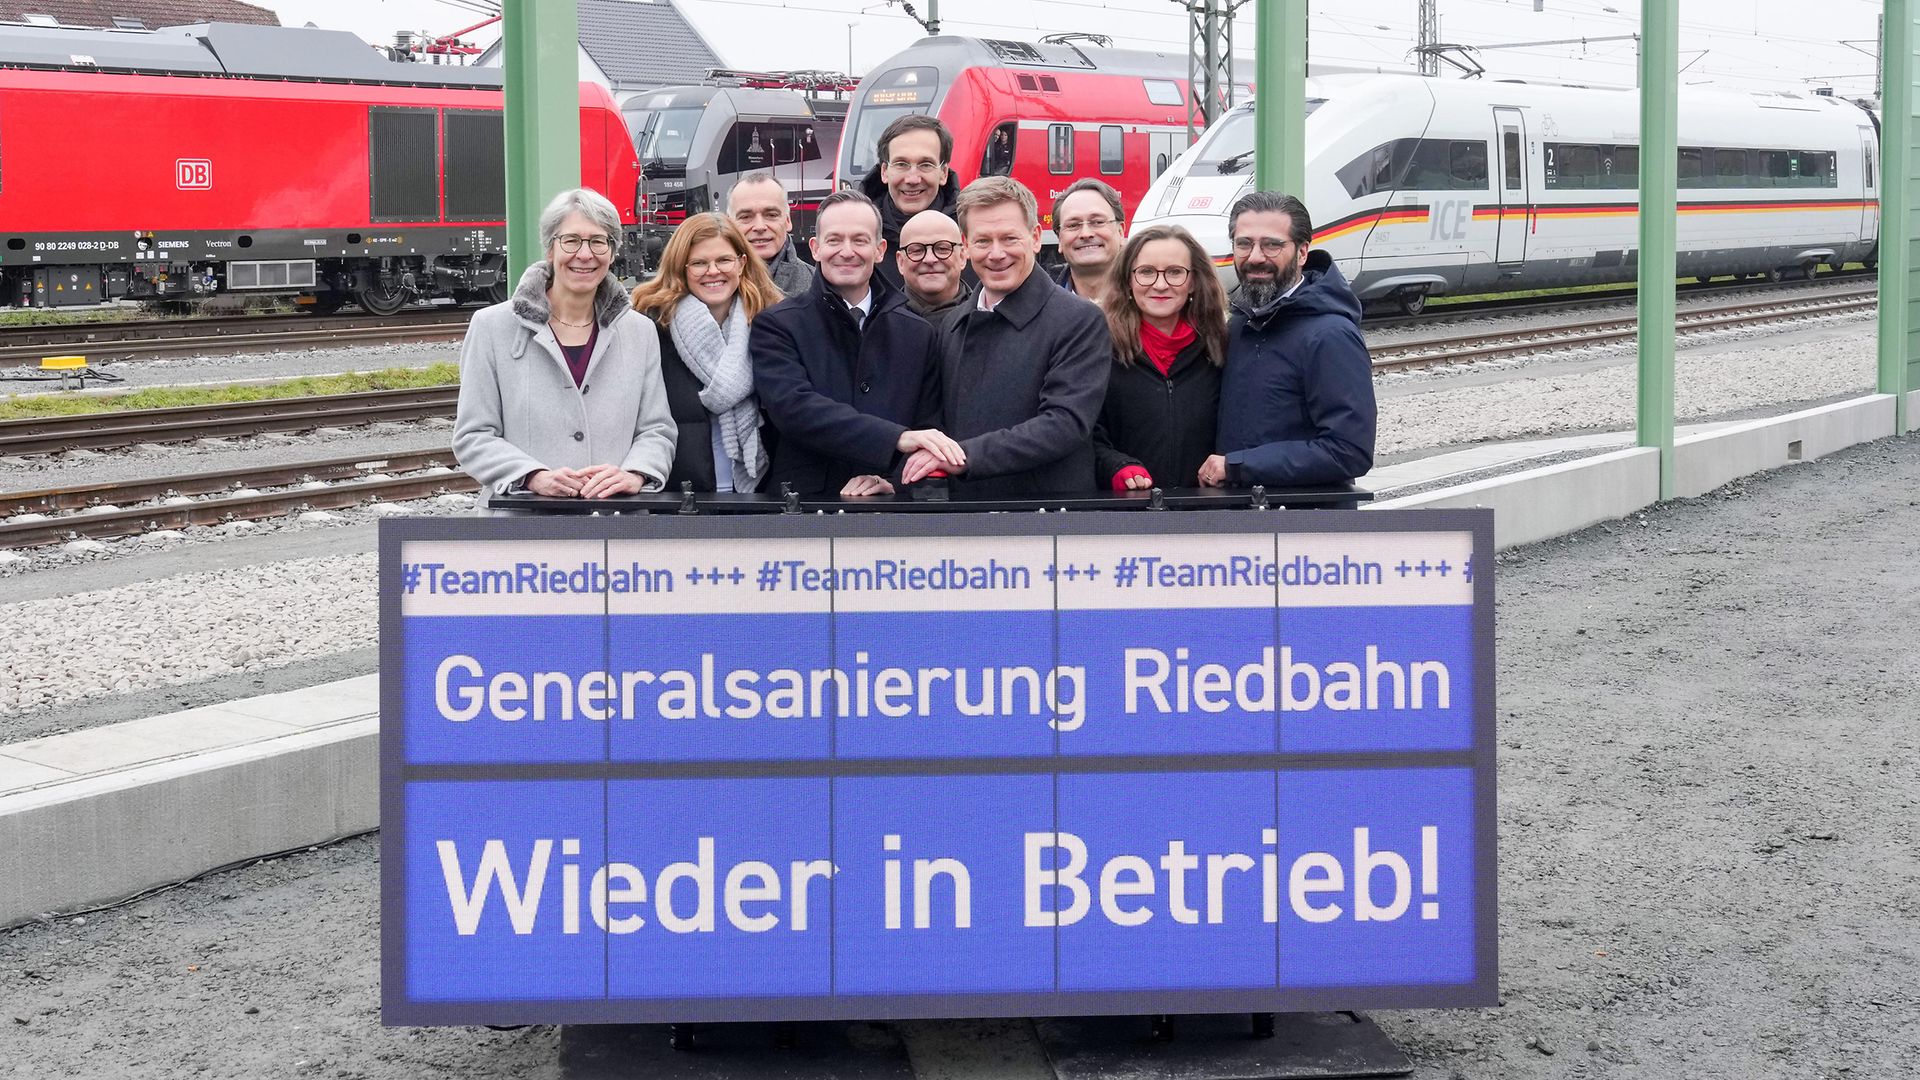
(1296, 396)
(1091, 228)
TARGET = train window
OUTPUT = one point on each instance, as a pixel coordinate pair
(1229, 145)
(1817, 168)
(1112, 159)
(1510, 143)
(1575, 165)
(1866, 156)
(998, 158)
(1163, 92)
(1060, 149)
(1626, 167)
(1730, 169)
(1774, 168)
(1692, 167)
(1467, 164)
(1375, 170)
(670, 137)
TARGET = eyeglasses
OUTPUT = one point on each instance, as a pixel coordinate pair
(1092, 224)
(1270, 246)
(941, 249)
(924, 168)
(1146, 275)
(726, 264)
(570, 243)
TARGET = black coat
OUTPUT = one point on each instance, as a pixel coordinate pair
(1021, 387)
(1163, 423)
(838, 397)
(892, 219)
(1296, 399)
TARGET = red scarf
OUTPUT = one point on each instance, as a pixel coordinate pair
(1161, 348)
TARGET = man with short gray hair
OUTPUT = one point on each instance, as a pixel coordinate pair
(758, 204)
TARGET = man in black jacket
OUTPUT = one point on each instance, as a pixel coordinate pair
(911, 175)
(1022, 374)
(845, 371)
(1296, 397)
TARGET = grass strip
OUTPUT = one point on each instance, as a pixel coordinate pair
(173, 397)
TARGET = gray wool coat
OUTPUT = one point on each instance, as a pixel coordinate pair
(520, 412)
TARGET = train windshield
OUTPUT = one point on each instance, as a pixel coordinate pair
(668, 135)
(866, 137)
(1229, 147)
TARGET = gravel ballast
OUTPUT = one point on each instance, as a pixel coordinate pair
(1709, 771)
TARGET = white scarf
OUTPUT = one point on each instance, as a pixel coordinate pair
(716, 353)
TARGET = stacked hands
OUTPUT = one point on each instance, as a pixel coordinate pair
(1213, 473)
(928, 451)
(592, 482)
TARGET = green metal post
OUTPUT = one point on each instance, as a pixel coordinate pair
(1280, 101)
(1899, 195)
(1659, 217)
(541, 46)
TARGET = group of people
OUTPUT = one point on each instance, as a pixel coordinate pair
(924, 340)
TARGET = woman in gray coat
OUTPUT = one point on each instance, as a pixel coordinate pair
(560, 388)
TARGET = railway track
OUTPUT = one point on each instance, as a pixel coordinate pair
(94, 431)
(103, 511)
(1442, 314)
(1435, 352)
(147, 339)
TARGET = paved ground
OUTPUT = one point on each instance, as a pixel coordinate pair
(1710, 777)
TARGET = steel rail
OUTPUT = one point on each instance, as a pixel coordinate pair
(1505, 306)
(149, 339)
(92, 431)
(107, 519)
(1436, 352)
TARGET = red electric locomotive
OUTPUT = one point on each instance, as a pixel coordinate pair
(222, 158)
(1045, 114)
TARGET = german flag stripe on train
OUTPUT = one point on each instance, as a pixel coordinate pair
(1393, 215)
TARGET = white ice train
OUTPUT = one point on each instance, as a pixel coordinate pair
(1420, 187)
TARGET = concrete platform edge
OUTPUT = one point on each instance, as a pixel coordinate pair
(101, 838)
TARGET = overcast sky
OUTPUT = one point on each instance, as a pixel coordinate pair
(1736, 43)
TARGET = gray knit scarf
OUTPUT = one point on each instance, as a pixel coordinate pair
(716, 353)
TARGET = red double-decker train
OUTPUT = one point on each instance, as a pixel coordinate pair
(222, 158)
(1043, 113)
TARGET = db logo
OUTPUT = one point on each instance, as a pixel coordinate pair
(193, 174)
(1199, 202)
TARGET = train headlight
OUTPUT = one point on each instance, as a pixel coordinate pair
(1167, 197)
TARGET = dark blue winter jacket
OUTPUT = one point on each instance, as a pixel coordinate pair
(1296, 398)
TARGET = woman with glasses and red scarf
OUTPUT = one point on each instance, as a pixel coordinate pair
(1167, 314)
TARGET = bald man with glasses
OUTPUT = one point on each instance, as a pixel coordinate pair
(932, 259)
